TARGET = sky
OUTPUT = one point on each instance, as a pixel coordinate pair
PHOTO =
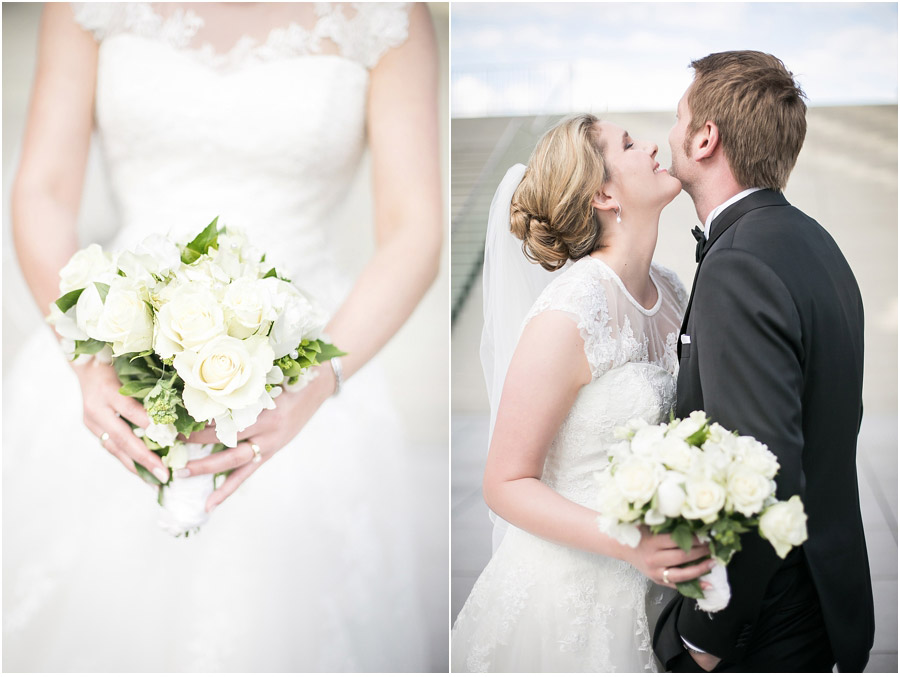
(509, 58)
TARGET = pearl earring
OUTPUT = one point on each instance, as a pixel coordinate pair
(618, 215)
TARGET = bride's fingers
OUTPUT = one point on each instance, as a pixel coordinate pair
(130, 409)
(679, 556)
(688, 573)
(111, 446)
(230, 485)
(205, 436)
(222, 461)
(123, 440)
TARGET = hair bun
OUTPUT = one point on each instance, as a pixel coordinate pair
(551, 208)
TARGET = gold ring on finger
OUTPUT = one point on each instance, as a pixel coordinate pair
(666, 577)
(257, 454)
(103, 438)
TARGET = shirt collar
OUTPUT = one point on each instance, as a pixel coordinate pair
(718, 210)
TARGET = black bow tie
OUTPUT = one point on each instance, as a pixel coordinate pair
(700, 236)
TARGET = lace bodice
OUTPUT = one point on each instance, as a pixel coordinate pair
(631, 351)
(253, 112)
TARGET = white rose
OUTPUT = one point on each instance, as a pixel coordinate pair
(192, 318)
(159, 254)
(671, 495)
(626, 534)
(676, 454)
(247, 307)
(297, 319)
(784, 525)
(714, 461)
(611, 501)
(646, 441)
(88, 310)
(205, 271)
(747, 490)
(757, 456)
(126, 320)
(637, 479)
(704, 499)
(85, 266)
(177, 456)
(226, 380)
(65, 323)
(689, 425)
(164, 434)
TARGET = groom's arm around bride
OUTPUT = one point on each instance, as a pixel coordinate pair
(771, 346)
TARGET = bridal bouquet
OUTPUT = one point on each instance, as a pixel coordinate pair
(199, 332)
(690, 477)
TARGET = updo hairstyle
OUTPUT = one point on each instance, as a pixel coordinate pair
(551, 209)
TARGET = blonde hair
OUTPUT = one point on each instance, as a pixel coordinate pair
(759, 110)
(551, 209)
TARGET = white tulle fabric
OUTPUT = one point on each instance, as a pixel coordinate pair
(543, 607)
(258, 115)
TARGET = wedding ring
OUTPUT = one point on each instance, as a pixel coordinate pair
(257, 454)
(103, 438)
(666, 577)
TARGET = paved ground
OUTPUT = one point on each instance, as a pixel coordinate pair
(854, 195)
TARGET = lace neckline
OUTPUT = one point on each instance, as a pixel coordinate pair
(649, 312)
(356, 32)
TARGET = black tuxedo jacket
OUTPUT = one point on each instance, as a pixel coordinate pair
(775, 324)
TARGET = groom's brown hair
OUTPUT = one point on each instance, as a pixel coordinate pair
(758, 109)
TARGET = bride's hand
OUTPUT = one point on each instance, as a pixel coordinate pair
(273, 430)
(103, 406)
(657, 553)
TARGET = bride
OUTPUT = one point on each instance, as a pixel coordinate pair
(260, 114)
(597, 349)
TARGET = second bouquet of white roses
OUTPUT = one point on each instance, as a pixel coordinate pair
(200, 332)
(691, 478)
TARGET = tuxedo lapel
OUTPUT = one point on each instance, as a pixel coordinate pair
(724, 221)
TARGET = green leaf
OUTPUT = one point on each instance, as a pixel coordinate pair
(691, 589)
(103, 290)
(139, 388)
(683, 537)
(329, 351)
(184, 424)
(66, 301)
(147, 476)
(699, 437)
(271, 273)
(197, 247)
(143, 354)
(88, 347)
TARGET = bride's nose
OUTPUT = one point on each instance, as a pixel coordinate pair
(654, 149)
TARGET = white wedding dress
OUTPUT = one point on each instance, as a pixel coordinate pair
(310, 566)
(543, 607)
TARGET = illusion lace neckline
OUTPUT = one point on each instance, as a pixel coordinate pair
(649, 312)
(333, 33)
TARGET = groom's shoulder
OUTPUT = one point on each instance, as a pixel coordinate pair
(778, 233)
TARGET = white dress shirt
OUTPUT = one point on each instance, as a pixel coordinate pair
(718, 210)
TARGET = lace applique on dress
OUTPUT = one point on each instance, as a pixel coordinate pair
(361, 32)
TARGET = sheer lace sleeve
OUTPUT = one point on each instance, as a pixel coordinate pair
(583, 296)
(98, 18)
(105, 19)
(672, 287)
(364, 36)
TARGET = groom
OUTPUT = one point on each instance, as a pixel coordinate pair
(771, 346)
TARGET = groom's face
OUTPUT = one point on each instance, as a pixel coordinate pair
(681, 163)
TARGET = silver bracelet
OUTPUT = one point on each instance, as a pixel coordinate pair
(338, 368)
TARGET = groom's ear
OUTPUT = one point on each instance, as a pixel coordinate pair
(706, 140)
